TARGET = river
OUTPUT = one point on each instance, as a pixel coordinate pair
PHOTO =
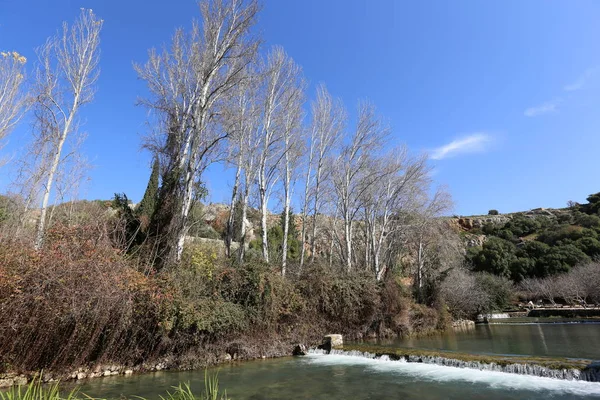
(576, 340)
(334, 377)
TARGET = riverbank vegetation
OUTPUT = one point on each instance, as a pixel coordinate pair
(36, 390)
(86, 283)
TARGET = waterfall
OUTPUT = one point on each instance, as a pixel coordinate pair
(485, 317)
(498, 316)
(590, 373)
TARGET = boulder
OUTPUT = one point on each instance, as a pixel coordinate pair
(20, 380)
(6, 382)
(331, 341)
(299, 350)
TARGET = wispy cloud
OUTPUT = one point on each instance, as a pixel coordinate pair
(582, 80)
(474, 143)
(544, 108)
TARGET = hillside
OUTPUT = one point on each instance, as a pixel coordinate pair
(535, 243)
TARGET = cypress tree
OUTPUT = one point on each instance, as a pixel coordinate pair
(146, 208)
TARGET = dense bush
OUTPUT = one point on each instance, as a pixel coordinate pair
(97, 304)
(468, 294)
(203, 230)
(90, 303)
(553, 251)
(347, 302)
(496, 256)
(593, 205)
(579, 286)
(531, 246)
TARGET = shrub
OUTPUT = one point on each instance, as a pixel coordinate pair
(462, 295)
(499, 291)
(91, 304)
(347, 301)
(423, 318)
(204, 230)
(468, 294)
(495, 256)
(493, 212)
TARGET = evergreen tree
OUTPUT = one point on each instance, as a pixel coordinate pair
(293, 251)
(131, 223)
(146, 208)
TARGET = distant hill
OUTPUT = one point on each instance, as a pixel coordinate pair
(534, 243)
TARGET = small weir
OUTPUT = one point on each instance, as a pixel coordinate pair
(579, 370)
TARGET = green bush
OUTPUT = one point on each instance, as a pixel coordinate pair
(499, 291)
(495, 256)
(203, 230)
(347, 301)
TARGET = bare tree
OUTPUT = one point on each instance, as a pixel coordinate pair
(64, 82)
(351, 176)
(327, 127)
(187, 81)
(250, 162)
(427, 237)
(398, 181)
(281, 77)
(463, 295)
(572, 288)
(292, 146)
(540, 288)
(239, 119)
(12, 95)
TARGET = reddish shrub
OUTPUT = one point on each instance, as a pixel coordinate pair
(74, 302)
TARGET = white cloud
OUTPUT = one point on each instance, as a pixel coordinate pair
(582, 80)
(545, 108)
(474, 143)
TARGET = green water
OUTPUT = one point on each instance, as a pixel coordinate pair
(577, 340)
(343, 377)
(336, 377)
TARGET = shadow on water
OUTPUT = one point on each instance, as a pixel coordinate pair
(576, 340)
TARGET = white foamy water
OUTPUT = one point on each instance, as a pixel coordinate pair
(432, 372)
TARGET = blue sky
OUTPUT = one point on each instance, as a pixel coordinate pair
(503, 95)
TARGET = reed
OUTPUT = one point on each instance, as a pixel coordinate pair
(36, 390)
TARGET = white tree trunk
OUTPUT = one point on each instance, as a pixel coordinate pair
(313, 246)
(348, 237)
(263, 220)
(420, 271)
(41, 228)
(231, 217)
(286, 210)
(305, 209)
(242, 248)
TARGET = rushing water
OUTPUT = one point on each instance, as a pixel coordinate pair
(344, 377)
(577, 340)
